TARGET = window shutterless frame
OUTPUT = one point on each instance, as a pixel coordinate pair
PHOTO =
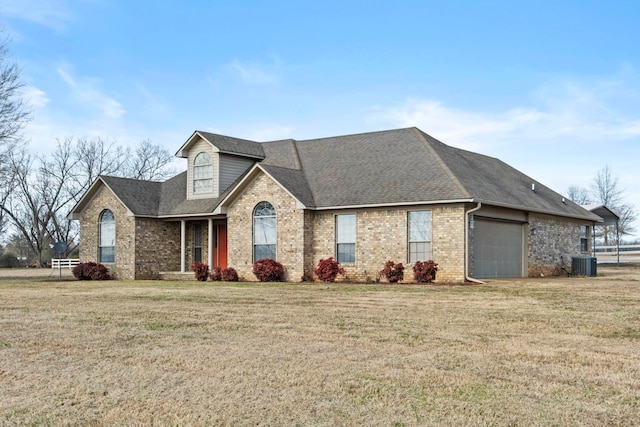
(345, 238)
(264, 231)
(107, 237)
(202, 173)
(419, 236)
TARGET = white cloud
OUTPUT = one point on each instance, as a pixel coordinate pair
(34, 97)
(560, 111)
(87, 92)
(254, 73)
(50, 13)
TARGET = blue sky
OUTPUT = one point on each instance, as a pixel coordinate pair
(552, 88)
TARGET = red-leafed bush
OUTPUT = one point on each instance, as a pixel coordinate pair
(328, 269)
(425, 271)
(216, 274)
(201, 270)
(229, 274)
(393, 272)
(91, 271)
(268, 270)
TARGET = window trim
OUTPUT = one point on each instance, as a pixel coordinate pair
(196, 236)
(428, 253)
(204, 167)
(584, 238)
(339, 236)
(254, 217)
(102, 258)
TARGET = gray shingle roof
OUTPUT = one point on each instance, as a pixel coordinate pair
(401, 166)
(228, 144)
(140, 197)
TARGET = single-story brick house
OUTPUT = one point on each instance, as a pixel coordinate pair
(364, 199)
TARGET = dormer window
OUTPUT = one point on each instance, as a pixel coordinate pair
(202, 174)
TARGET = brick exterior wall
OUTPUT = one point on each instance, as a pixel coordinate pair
(290, 229)
(145, 247)
(124, 265)
(157, 247)
(549, 239)
(381, 235)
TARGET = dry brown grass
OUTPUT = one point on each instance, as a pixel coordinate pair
(554, 351)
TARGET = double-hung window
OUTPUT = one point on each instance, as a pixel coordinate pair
(264, 231)
(107, 238)
(419, 236)
(346, 238)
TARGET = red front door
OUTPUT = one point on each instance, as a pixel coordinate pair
(220, 245)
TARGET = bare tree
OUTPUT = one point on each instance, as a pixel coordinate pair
(578, 194)
(606, 191)
(149, 162)
(605, 188)
(45, 188)
(14, 111)
(14, 114)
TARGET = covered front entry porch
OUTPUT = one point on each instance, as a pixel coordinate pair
(201, 240)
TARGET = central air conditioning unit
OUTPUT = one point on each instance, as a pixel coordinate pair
(584, 266)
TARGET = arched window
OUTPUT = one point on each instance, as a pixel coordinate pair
(202, 173)
(107, 238)
(264, 231)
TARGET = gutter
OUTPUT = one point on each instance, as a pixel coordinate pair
(466, 246)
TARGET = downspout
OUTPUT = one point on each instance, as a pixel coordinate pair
(466, 246)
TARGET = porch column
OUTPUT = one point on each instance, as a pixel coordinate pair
(183, 243)
(210, 244)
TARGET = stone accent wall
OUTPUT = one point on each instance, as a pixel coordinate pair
(157, 247)
(291, 233)
(381, 235)
(549, 239)
(124, 266)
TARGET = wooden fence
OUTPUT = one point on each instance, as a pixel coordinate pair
(64, 262)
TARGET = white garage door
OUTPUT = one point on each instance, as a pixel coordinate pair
(497, 249)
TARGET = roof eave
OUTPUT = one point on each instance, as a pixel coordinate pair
(590, 217)
(394, 204)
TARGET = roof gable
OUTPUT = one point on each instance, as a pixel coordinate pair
(224, 144)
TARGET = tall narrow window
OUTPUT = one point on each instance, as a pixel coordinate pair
(419, 236)
(264, 231)
(107, 239)
(202, 173)
(346, 238)
(584, 238)
(197, 242)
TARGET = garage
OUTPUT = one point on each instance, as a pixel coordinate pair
(497, 249)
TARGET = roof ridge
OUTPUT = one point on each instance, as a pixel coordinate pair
(434, 153)
(295, 154)
(357, 134)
